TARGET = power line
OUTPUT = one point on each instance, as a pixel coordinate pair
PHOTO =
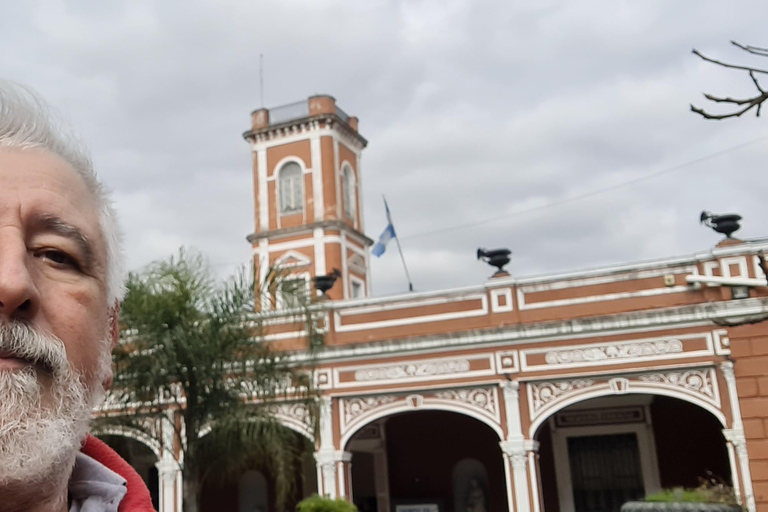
(586, 195)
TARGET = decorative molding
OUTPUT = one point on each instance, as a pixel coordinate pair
(476, 365)
(619, 352)
(614, 351)
(496, 305)
(543, 393)
(507, 361)
(293, 259)
(410, 370)
(697, 385)
(481, 403)
(294, 416)
(352, 408)
(698, 382)
(481, 398)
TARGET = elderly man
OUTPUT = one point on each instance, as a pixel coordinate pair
(61, 281)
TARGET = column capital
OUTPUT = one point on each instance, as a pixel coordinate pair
(735, 436)
(511, 386)
(727, 368)
(519, 446)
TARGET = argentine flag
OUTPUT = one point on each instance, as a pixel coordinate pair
(386, 236)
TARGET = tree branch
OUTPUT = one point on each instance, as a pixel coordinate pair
(749, 103)
(763, 52)
(727, 65)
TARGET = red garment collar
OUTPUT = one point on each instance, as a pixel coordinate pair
(137, 499)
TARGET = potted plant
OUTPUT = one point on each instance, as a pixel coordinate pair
(713, 495)
(318, 504)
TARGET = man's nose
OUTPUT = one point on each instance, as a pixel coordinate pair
(18, 293)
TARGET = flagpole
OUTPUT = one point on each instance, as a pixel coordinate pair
(399, 248)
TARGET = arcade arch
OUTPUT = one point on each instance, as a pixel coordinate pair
(599, 449)
(439, 453)
(141, 452)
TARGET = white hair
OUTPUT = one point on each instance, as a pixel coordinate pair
(27, 122)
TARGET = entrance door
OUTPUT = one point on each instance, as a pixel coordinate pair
(605, 472)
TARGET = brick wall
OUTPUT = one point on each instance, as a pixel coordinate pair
(749, 350)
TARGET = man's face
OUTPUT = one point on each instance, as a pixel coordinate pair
(52, 259)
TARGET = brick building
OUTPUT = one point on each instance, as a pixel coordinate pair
(570, 392)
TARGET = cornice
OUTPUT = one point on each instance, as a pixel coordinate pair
(308, 229)
(730, 312)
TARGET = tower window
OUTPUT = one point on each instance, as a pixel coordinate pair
(348, 178)
(290, 188)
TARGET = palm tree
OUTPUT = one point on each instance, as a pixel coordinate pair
(193, 350)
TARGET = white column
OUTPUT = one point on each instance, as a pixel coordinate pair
(735, 436)
(168, 473)
(325, 457)
(344, 473)
(516, 449)
(169, 469)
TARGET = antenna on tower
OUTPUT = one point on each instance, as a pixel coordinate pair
(261, 79)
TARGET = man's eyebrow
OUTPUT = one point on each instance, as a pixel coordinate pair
(54, 224)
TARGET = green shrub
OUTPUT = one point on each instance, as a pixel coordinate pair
(318, 504)
(710, 491)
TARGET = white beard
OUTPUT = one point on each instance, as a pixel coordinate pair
(40, 431)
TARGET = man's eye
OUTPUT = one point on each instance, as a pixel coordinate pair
(59, 258)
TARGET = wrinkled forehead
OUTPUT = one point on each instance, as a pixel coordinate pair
(50, 196)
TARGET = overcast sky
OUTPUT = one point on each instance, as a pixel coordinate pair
(473, 110)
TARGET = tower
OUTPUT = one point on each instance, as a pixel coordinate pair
(307, 190)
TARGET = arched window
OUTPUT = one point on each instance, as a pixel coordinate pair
(348, 178)
(290, 188)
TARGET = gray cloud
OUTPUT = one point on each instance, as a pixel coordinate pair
(473, 110)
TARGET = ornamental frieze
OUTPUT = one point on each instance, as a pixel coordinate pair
(480, 401)
(698, 383)
(416, 370)
(620, 352)
(615, 351)
(401, 371)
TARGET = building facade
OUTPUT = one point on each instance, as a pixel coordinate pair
(571, 392)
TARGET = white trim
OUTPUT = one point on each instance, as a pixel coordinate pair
(344, 270)
(340, 327)
(303, 242)
(358, 165)
(276, 170)
(649, 470)
(302, 260)
(496, 293)
(312, 129)
(337, 177)
(318, 241)
(603, 389)
(467, 359)
(315, 152)
(429, 404)
(696, 315)
(360, 282)
(521, 304)
(514, 361)
(263, 192)
(347, 167)
(683, 354)
(740, 261)
(737, 431)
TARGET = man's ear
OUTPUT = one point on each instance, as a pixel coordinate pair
(114, 336)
